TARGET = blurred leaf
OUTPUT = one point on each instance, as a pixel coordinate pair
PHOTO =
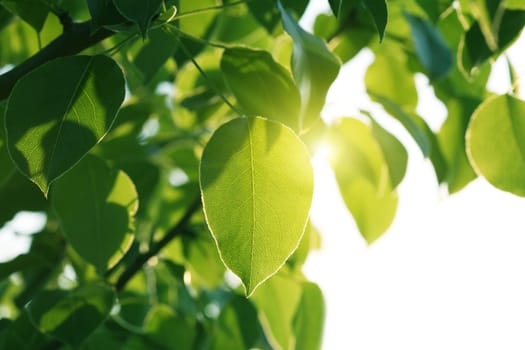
(434, 8)
(7, 168)
(390, 78)
(309, 241)
(237, 327)
(33, 12)
(258, 215)
(103, 14)
(379, 11)
(266, 12)
(502, 160)
(169, 330)
(363, 178)
(308, 322)
(314, 69)
(395, 154)
(140, 12)
(474, 50)
(261, 86)
(431, 49)
(341, 7)
(515, 4)
(21, 40)
(46, 139)
(451, 139)
(72, 316)
(158, 48)
(277, 301)
(100, 227)
(203, 263)
(20, 334)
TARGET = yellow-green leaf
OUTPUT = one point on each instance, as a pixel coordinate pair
(257, 183)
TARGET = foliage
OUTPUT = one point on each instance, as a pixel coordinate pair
(168, 144)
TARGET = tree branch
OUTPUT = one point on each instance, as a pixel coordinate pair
(140, 260)
(75, 38)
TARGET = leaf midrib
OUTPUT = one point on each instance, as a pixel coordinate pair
(252, 174)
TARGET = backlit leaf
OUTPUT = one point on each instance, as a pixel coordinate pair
(314, 69)
(72, 316)
(140, 12)
(67, 115)
(495, 143)
(33, 12)
(363, 178)
(308, 322)
(261, 85)
(256, 181)
(95, 205)
(168, 329)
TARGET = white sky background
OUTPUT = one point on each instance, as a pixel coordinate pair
(448, 274)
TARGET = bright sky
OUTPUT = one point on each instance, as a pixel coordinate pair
(449, 273)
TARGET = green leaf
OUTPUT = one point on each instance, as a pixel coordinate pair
(67, 116)
(451, 140)
(266, 12)
(395, 154)
(308, 321)
(390, 77)
(515, 4)
(256, 182)
(103, 14)
(474, 50)
(434, 8)
(314, 69)
(237, 326)
(21, 334)
(277, 301)
(168, 329)
(100, 226)
(261, 85)
(33, 12)
(72, 316)
(495, 143)
(362, 175)
(140, 12)
(341, 7)
(432, 50)
(158, 48)
(379, 11)
(7, 168)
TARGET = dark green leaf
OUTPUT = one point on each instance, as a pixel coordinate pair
(7, 168)
(46, 139)
(103, 14)
(33, 12)
(314, 68)
(262, 86)
(434, 8)
(432, 51)
(502, 159)
(257, 183)
(266, 12)
(140, 12)
(72, 316)
(379, 11)
(21, 334)
(159, 47)
(169, 330)
(100, 226)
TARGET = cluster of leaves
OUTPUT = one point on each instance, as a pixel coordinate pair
(168, 143)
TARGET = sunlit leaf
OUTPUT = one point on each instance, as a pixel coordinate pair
(67, 115)
(314, 69)
(277, 301)
(100, 225)
(73, 315)
(256, 181)
(502, 159)
(363, 177)
(261, 85)
(308, 322)
(140, 12)
(158, 48)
